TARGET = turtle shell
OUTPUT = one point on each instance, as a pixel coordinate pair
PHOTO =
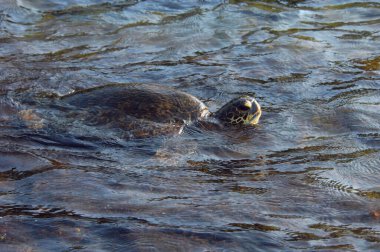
(140, 109)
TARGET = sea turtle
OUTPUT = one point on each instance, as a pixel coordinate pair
(142, 110)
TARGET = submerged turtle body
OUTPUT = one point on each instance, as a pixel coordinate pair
(141, 110)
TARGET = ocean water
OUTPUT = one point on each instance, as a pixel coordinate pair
(306, 178)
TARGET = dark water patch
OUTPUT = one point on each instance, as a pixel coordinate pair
(262, 5)
(357, 35)
(346, 247)
(35, 212)
(319, 157)
(352, 94)
(13, 174)
(370, 194)
(255, 226)
(364, 4)
(334, 25)
(336, 84)
(300, 236)
(58, 141)
(247, 189)
(369, 64)
(338, 231)
(57, 7)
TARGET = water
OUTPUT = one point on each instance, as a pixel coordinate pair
(306, 178)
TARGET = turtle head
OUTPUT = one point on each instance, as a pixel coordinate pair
(244, 110)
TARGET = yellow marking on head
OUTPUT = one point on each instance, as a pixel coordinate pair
(253, 119)
(248, 104)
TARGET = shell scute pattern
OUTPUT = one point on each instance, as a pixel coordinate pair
(140, 110)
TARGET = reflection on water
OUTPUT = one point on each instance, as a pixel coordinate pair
(306, 178)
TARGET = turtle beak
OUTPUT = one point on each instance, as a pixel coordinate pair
(255, 115)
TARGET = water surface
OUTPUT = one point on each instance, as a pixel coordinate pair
(306, 178)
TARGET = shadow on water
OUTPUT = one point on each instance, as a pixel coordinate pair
(306, 178)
